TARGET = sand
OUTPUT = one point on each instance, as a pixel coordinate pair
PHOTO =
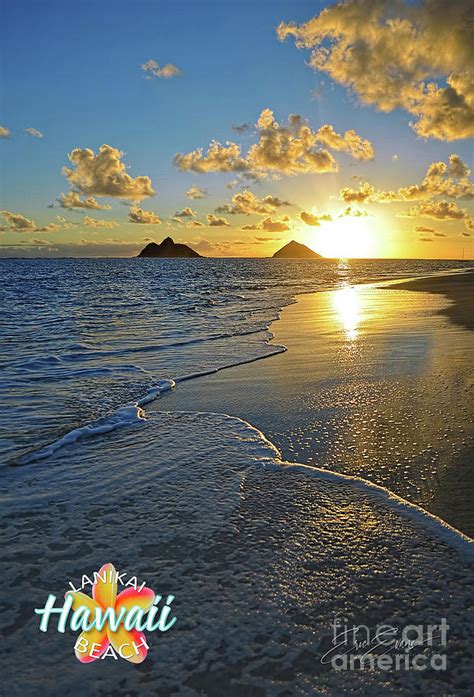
(458, 288)
(375, 384)
(262, 559)
(262, 556)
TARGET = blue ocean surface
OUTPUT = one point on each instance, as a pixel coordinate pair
(82, 339)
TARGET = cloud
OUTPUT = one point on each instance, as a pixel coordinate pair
(19, 223)
(93, 222)
(196, 192)
(73, 200)
(105, 174)
(166, 71)
(52, 227)
(425, 239)
(4, 132)
(440, 210)
(268, 225)
(267, 239)
(185, 213)
(33, 132)
(247, 203)
(281, 149)
(417, 57)
(222, 248)
(214, 221)
(441, 179)
(360, 195)
(313, 219)
(429, 231)
(354, 212)
(219, 158)
(138, 215)
(350, 142)
(194, 223)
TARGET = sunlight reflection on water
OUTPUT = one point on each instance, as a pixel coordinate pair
(346, 302)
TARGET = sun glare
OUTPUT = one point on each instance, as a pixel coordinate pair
(346, 303)
(347, 237)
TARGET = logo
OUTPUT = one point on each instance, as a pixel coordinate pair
(112, 623)
(413, 647)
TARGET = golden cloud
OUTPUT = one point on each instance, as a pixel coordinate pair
(215, 221)
(440, 210)
(219, 158)
(4, 132)
(391, 54)
(105, 174)
(281, 149)
(195, 192)
(19, 223)
(138, 215)
(247, 203)
(314, 219)
(93, 222)
(441, 179)
(73, 200)
(166, 71)
(268, 225)
(360, 195)
(354, 212)
(185, 213)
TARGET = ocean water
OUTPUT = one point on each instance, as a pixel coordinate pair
(87, 340)
(262, 555)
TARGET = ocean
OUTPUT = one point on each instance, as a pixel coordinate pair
(262, 557)
(85, 340)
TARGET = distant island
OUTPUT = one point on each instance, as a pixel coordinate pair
(295, 250)
(168, 249)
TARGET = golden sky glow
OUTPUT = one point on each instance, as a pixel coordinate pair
(349, 131)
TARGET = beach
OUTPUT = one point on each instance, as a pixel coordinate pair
(376, 383)
(271, 528)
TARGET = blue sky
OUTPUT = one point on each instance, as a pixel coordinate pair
(73, 72)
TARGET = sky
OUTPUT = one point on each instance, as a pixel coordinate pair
(236, 127)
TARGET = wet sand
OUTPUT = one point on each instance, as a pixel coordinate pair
(375, 384)
(262, 556)
(458, 288)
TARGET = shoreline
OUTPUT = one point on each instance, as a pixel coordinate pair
(443, 488)
(452, 286)
(262, 555)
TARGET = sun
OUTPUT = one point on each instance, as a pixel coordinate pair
(347, 237)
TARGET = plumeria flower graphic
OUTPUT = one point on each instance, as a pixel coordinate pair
(104, 596)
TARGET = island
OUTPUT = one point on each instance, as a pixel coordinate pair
(168, 249)
(295, 250)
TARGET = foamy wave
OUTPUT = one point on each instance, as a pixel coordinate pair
(129, 414)
(125, 416)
